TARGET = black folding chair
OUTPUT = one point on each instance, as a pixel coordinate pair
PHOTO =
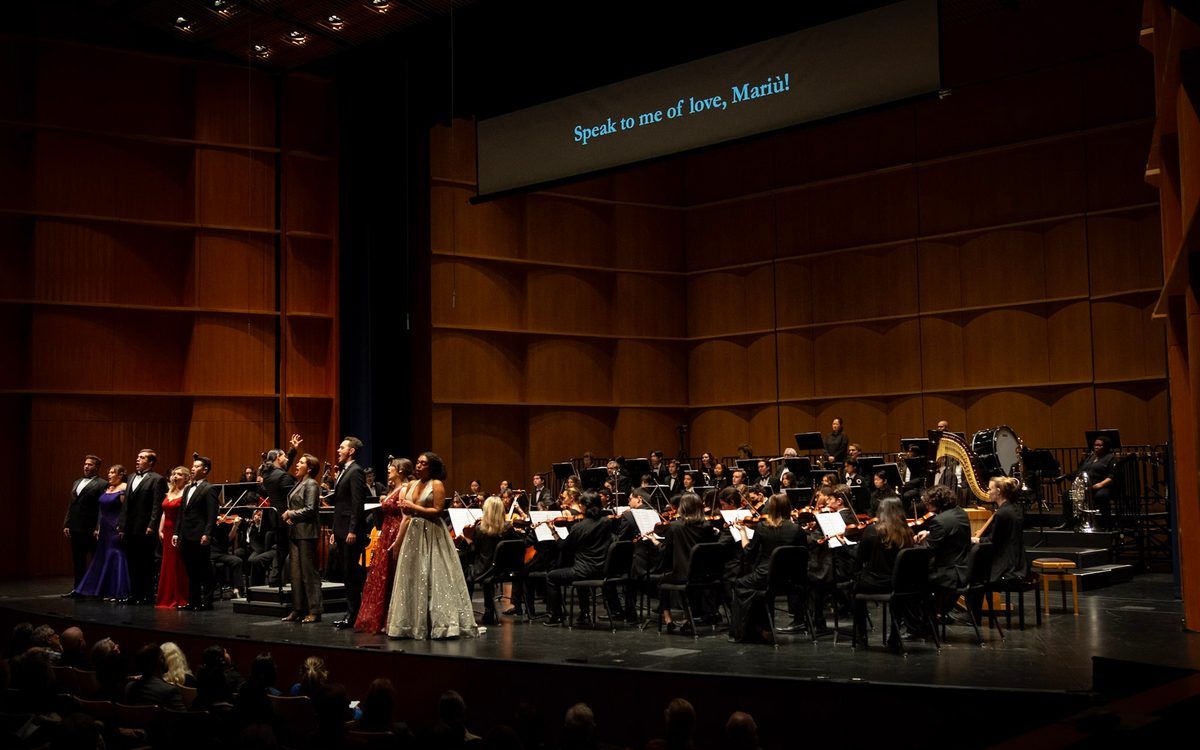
(787, 573)
(508, 565)
(617, 564)
(705, 568)
(979, 570)
(910, 585)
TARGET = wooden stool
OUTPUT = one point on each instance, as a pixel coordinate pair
(1057, 569)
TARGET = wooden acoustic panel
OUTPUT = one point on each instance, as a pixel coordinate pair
(793, 282)
(660, 183)
(237, 272)
(1005, 346)
(865, 421)
(1008, 109)
(16, 330)
(1114, 87)
(860, 143)
(1128, 344)
(1125, 251)
(493, 229)
(717, 372)
(558, 434)
(727, 171)
(232, 432)
(484, 367)
(566, 231)
(1072, 410)
(765, 431)
(96, 263)
(110, 350)
(452, 151)
(798, 365)
(310, 282)
(867, 358)
(17, 166)
(310, 368)
(648, 238)
(798, 418)
(75, 88)
(1025, 411)
(878, 207)
(478, 293)
(309, 114)
(938, 406)
(1018, 184)
(719, 430)
(649, 372)
(1116, 161)
(77, 174)
(564, 370)
(732, 302)
(310, 189)
(1068, 341)
(636, 432)
(237, 189)
(312, 419)
(235, 354)
(489, 445)
(762, 369)
(905, 418)
(1139, 410)
(728, 233)
(648, 305)
(569, 300)
(442, 432)
(235, 104)
(867, 284)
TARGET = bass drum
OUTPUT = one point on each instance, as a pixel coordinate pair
(998, 450)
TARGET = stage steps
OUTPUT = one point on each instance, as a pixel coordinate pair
(272, 602)
(1092, 553)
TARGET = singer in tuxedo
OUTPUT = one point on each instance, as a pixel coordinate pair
(194, 532)
(349, 528)
(138, 525)
(82, 513)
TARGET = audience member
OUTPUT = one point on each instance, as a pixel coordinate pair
(451, 731)
(680, 719)
(741, 733)
(178, 672)
(111, 670)
(217, 680)
(150, 688)
(74, 649)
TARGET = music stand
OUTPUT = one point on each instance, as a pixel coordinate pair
(799, 497)
(636, 468)
(923, 445)
(563, 471)
(891, 475)
(1114, 438)
(868, 464)
(810, 442)
(748, 465)
(594, 478)
(816, 475)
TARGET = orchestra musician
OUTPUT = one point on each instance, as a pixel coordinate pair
(707, 465)
(582, 555)
(850, 475)
(687, 530)
(656, 467)
(774, 529)
(875, 555)
(880, 489)
(673, 479)
(764, 478)
(719, 477)
(620, 482)
(1005, 530)
(539, 497)
(646, 552)
(836, 444)
(827, 566)
(1100, 466)
(491, 529)
(948, 536)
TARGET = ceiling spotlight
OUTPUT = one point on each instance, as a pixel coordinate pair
(380, 6)
(224, 7)
(335, 22)
(297, 37)
(261, 51)
(182, 24)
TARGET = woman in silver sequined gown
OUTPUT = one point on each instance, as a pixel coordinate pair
(429, 593)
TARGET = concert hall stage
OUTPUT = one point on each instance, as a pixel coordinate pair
(1033, 677)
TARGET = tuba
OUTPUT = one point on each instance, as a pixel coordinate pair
(953, 446)
(1081, 504)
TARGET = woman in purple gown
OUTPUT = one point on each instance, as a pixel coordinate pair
(108, 575)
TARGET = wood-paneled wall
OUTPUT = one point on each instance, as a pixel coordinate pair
(1174, 40)
(989, 258)
(167, 230)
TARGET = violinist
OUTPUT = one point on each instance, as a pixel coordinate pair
(582, 555)
(876, 551)
(685, 532)
(491, 529)
(880, 489)
(827, 567)
(719, 477)
(774, 529)
(738, 482)
(646, 550)
(948, 536)
(228, 558)
(620, 482)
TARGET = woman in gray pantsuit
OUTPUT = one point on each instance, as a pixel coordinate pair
(302, 525)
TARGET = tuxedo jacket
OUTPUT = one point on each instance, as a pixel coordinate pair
(277, 485)
(84, 508)
(949, 541)
(541, 499)
(143, 505)
(349, 495)
(675, 484)
(198, 516)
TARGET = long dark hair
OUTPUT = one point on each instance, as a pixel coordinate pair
(437, 467)
(691, 508)
(892, 527)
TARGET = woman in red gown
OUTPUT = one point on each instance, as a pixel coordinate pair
(372, 612)
(172, 577)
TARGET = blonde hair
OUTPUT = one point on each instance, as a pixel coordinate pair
(492, 522)
(187, 474)
(177, 665)
(1007, 486)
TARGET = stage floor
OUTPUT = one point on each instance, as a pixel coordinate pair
(1138, 621)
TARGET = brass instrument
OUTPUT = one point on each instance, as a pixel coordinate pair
(1081, 504)
(953, 446)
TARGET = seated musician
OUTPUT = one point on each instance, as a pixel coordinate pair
(512, 504)
(491, 529)
(875, 554)
(853, 450)
(774, 529)
(540, 497)
(582, 555)
(687, 530)
(827, 567)
(474, 497)
(913, 478)
(688, 483)
(850, 475)
(948, 536)
(739, 481)
(646, 552)
(764, 478)
(719, 477)
(1005, 530)
(880, 489)
(620, 482)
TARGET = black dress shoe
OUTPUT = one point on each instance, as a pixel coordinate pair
(512, 612)
(553, 622)
(183, 606)
(489, 618)
(791, 629)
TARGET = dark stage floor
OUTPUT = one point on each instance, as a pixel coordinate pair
(1138, 621)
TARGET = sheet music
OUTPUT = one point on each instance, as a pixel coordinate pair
(619, 510)
(646, 519)
(545, 532)
(460, 518)
(832, 524)
(367, 507)
(736, 515)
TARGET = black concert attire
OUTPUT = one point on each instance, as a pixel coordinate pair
(350, 494)
(748, 613)
(674, 485)
(196, 527)
(826, 569)
(277, 484)
(582, 556)
(680, 538)
(647, 557)
(542, 499)
(302, 557)
(836, 444)
(228, 557)
(81, 518)
(1098, 469)
(949, 541)
(484, 547)
(874, 563)
(1006, 532)
(260, 541)
(878, 496)
(143, 505)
